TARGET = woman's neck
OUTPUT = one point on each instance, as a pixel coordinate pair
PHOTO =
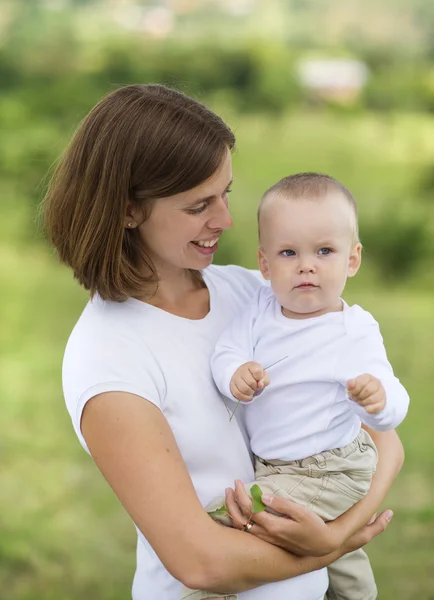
(184, 294)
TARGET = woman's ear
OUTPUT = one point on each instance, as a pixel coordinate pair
(355, 259)
(263, 264)
(129, 220)
(134, 216)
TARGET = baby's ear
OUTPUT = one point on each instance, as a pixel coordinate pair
(355, 259)
(263, 264)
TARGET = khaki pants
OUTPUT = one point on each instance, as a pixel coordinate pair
(328, 483)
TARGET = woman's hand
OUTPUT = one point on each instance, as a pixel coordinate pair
(304, 533)
(300, 531)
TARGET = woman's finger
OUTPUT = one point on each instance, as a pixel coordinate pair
(243, 500)
(368, 532)
(237, 517)
(263, 519)
(285, 507)
(380, 523)
(372, 519)
(239, 520)
(298, 529)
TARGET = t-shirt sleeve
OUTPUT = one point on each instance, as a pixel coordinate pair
(257, 273)
(107, 361)
(364, 352)
(235, 346)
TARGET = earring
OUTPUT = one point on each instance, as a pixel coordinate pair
(130, 224)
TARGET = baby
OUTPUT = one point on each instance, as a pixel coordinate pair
(310, 368)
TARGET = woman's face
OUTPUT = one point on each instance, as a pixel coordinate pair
(183, 230)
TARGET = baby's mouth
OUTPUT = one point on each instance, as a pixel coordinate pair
(306, 286)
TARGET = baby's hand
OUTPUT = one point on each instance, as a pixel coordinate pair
(367, 391)
(248, 379)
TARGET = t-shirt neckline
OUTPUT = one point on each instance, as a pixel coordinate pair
(335, 314)
(140, 304)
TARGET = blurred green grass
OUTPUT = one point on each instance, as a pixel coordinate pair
(63, 533)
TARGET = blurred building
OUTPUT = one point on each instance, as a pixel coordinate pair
(338, 80)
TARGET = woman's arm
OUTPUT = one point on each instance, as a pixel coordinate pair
(390, 461)
(134, 448)
(287, 534)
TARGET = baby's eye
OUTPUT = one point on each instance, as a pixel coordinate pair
(287, 253)
(325, 251)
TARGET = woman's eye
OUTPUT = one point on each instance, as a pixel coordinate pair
(325, 251)
(197, 211)
(287, 253)
(225, 196)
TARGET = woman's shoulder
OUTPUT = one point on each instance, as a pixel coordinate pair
(107, 352)
(107, 342)
(100, 322)
(235, 275)
(236, 286)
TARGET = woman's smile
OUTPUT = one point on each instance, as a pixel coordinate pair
(206, 247)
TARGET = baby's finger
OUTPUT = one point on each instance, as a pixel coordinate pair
(250, 381)
(359, 395)
(370, 389)
(354, 390)
(373, 409)
(256, 371)
(372, 399)
(243, 387)
(239, 395)
(265, 380)
(355, 386)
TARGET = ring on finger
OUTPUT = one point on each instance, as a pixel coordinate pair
(248, 526)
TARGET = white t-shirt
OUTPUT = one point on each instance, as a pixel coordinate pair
(135, 347)
(305, 409)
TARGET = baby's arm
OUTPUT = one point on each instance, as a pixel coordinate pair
(233, 369)
(380, 400)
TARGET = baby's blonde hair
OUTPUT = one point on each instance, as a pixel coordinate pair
(311, 186)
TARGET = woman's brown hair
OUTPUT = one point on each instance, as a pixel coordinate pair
(138, 144)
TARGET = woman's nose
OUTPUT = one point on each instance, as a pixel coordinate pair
(221, 217)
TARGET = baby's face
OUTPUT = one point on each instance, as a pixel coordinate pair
(307, 250)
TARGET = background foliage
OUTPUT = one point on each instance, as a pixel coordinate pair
(62, 533)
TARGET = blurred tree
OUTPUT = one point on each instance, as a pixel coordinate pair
(395, 243)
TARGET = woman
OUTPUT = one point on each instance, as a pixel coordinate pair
(136, 208)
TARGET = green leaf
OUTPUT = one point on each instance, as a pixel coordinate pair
(256, 493)
(219, 511)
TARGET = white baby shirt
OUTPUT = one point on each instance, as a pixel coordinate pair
(305, 409)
